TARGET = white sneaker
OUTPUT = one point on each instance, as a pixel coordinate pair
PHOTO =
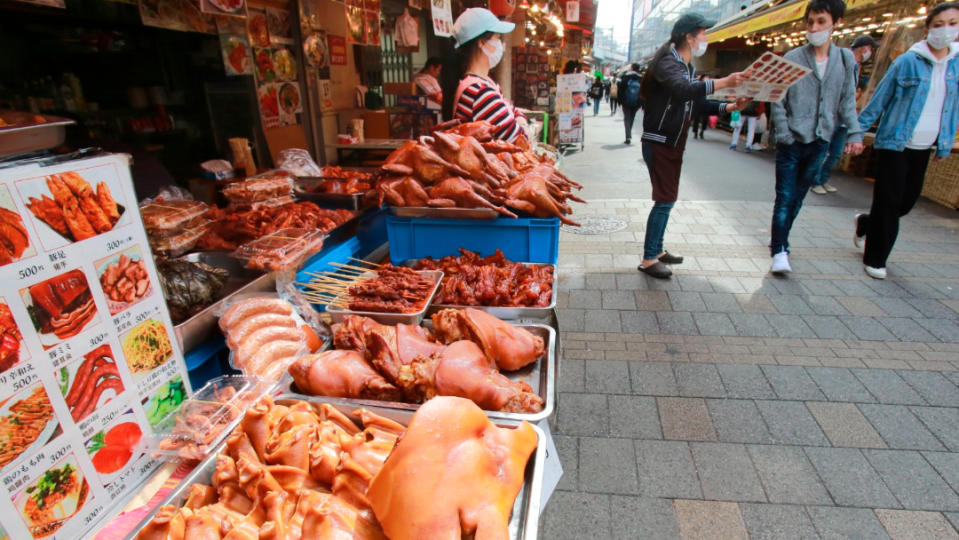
(818, 190)
(830, 188)
(856, 239)
(780, 264)
(875, 273)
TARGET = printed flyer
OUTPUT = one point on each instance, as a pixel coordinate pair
(86, 347)
(772, 75)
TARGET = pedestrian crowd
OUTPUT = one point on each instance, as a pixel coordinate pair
(915, 108)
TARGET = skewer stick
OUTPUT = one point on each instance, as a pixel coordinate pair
(373, 264)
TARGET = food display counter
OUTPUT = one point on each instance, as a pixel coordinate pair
(327, 335)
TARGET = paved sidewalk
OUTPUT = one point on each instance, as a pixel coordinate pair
(725, 403)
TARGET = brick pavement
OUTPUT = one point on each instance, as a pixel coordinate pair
(725, 403)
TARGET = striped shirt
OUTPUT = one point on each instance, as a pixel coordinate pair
(481, 99)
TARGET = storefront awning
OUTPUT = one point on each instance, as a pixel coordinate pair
(781, 14)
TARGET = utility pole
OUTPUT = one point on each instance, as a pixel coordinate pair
(632, 18)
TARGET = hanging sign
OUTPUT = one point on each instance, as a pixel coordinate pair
(442, 16)
(89, 364)
(337, 50)
(572, 11)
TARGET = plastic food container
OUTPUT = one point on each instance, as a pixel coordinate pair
(204, 420)
(258, 189)
(180, 243)
(339, 314)
(171, 217)
(281, 250)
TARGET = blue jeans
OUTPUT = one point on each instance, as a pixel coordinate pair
(836, 146)
(596, 102)
(656, 228)
(797, 165)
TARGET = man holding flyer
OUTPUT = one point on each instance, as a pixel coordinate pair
(806, 119)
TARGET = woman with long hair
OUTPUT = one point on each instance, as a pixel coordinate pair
(472, 95)
(917, 104)
(670, 90)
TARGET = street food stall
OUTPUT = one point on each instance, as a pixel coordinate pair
(148, 329)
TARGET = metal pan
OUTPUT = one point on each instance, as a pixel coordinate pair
(541, 376)
(524, 521)
(506, 313)
(302, 190)
(27, 136)
(340, 314)
(444, 213)
(202, 326)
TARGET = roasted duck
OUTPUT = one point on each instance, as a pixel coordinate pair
(471, 280)
(507, 346)
(14, 239)
(76, 211)
(421, 491)
(469, 154)
(458, 192)
(418, 159)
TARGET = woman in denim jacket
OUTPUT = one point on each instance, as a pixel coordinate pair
(917, 104)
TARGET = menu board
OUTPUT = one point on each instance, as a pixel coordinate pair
(570, 102)
(772, 75)
(88, 356)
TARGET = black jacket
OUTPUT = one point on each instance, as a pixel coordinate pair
(621, 88)
(670, 92)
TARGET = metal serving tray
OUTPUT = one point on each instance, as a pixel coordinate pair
(340, 314)
(26, 136)
(301, 189)
(202, 326)
(541, 376)
(506, 313)
(523, 523)
(444, 213)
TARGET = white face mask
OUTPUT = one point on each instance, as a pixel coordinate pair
(700, 48)
(941, 36)
(818, 38)
(866, 54)
(497, 54)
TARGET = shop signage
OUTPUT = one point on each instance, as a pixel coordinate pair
(572, 11)
(792, 11)
(570, 102)
(89, 364)
(337, 50)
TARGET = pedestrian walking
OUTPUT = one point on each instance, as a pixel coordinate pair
(629, 98)
(596, 94)
(862, 49)
(701, 114)
(613, 96)
(750, 115)
(806, 119)
(606, 85)
(670, 89)
(917, 104)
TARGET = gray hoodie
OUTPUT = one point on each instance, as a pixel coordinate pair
(814, 107)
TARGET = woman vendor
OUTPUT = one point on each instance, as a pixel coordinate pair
(479, 48)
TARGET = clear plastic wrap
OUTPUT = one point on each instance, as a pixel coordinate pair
(282, 250)
(298, 162)
(260, 188)
(202, 421)
(180, 243)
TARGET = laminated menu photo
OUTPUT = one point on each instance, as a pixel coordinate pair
(87, 355)
(772, 75)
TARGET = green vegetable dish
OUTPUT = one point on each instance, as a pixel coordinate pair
(53, 481)
(165, 400)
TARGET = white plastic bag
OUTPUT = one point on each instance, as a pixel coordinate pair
(298, 162)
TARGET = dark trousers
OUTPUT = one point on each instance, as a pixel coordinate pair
(629, 115)
(700, 121)
(612, 105)
(797, 165)
(898, 185)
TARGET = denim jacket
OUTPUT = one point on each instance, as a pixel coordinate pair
(900, 96)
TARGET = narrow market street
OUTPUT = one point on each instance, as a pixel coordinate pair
(725, 403)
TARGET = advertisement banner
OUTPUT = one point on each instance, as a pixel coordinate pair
(88, 352)
(442, 16)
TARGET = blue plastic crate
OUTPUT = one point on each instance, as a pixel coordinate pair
(523, 240)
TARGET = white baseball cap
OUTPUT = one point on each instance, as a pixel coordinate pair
(475, 22)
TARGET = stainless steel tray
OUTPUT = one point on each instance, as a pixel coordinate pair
(202, 326)
(444, 213)
(340, 314)
(505, 313)
(328, 200)
(26, 136)
(541, 376)
(524, 521)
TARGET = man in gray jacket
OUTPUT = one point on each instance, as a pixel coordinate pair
(806, 119)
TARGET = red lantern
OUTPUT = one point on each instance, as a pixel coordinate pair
(502, 8)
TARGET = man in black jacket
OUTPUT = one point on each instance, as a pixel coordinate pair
(629, 92)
